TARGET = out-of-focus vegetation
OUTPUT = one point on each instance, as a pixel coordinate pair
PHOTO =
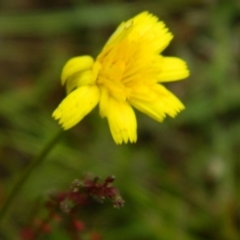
(181, 180)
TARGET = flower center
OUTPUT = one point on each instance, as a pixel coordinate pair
(111, 78)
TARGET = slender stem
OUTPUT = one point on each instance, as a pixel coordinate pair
(34, 163)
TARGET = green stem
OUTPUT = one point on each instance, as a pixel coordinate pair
(34, 163)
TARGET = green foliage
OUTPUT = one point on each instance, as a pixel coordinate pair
(181, 179)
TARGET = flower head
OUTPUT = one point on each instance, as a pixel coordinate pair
(127, 73)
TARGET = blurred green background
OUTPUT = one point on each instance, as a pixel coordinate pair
(181, 180)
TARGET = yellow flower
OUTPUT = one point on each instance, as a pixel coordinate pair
(125, 74)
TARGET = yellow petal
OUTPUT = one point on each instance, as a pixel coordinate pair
(103, 102)
(142, 29)
(76, 65)
(164, 103)
(142, 92)
(173, 69)
(119, 34)
(150, 32)
(78, 80)
(76, 106)
(122, 121)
